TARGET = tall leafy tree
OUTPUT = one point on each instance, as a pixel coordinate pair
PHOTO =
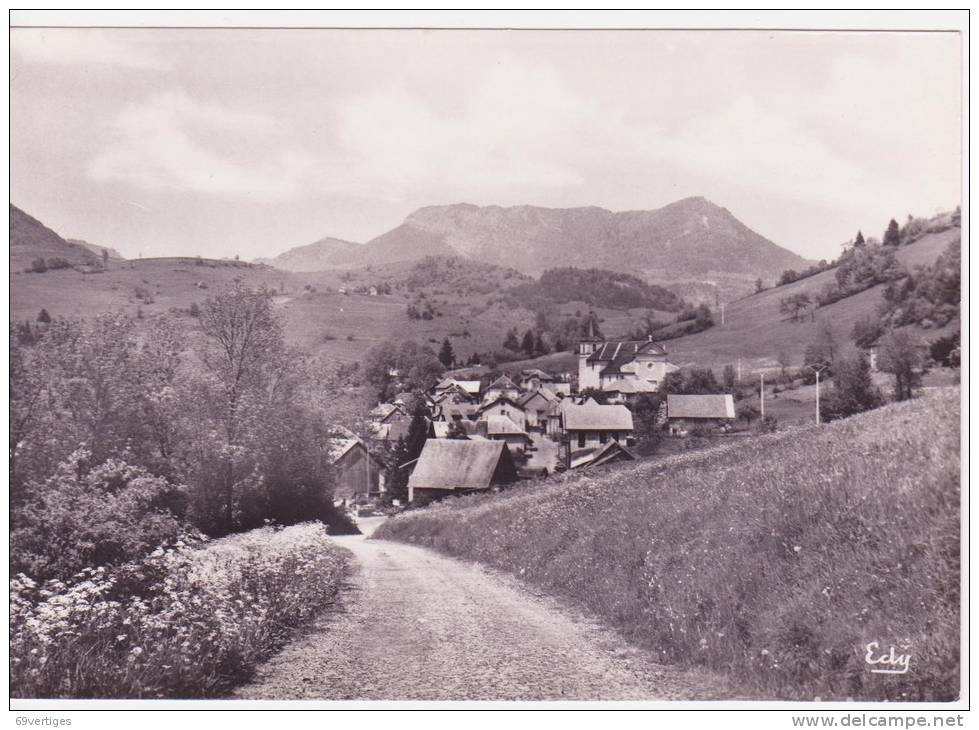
(853, 388)
(901, 355)
(866, 332)
(244, 355)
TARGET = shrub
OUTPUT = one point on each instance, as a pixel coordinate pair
(776, 571)
(185, 622)
(102, 516)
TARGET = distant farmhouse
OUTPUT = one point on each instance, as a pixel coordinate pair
(687, 412)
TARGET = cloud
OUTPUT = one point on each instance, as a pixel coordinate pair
(82, 46)
(524, 126)
(763, 148)
(501, 138)
(171, 141)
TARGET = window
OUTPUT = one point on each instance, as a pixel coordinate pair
(602, 437)
(615, 435)
(649, 365)
(581, 439)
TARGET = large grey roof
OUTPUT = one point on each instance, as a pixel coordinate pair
(457, 464)
(700, 406)
(594, 417)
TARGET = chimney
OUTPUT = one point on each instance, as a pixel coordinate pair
(649, 338)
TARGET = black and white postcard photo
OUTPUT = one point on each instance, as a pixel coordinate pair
(489, 360)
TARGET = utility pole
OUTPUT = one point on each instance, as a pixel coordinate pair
(367, 449)
(722, 313)
(739, 369)
(817, 398)
(763, 396)
(817, 371)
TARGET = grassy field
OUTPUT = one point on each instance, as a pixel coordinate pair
(340, 327)
(775, 560)
(756, 332)
(466, 299)
(318, 319)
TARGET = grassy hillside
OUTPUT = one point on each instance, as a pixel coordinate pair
(466, 300)
(775, 561)
(154, 285)
(30, 239)
(756, 331)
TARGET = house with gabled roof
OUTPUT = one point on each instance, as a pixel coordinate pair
(536, 405)
(386, 412)
(445, 429)
(457, 466)
(501, 428)
(626, 390)
(532, 379)
(591, 425)
(455, 394)
(450, 410)
(502, 386)
(687, 412)
(503, 406)
(470, 388)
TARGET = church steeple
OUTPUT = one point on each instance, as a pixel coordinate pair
(586, 345)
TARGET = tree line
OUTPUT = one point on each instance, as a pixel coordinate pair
(126, 433)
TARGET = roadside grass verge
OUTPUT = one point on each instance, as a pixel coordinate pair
(185, 622)
(774, 561)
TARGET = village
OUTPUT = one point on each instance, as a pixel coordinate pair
(483, 435)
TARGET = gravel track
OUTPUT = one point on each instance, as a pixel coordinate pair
(416, 625)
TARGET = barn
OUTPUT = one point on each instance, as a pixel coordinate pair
(687, 412)
(455, 466)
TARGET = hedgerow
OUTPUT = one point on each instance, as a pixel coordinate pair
(190, 620)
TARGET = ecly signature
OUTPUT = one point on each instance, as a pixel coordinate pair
(887, 663)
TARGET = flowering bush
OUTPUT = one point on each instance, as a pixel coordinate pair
(187, 621)
(775, 561)
(103, 515)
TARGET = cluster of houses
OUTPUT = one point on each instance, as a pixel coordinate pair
(482, 436)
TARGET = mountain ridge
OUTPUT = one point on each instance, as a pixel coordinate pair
(691, 236)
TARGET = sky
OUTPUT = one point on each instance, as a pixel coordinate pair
(248, 142)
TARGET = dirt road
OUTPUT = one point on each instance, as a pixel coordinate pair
(415, 625)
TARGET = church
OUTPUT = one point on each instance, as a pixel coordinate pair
(621, 366)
